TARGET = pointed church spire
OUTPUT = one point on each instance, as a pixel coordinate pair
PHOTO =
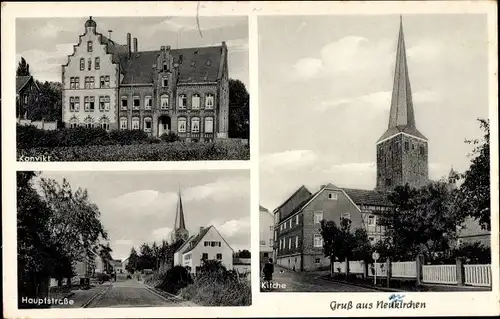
(402, 116)
(179, 216)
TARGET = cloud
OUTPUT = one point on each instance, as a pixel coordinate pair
(142, 203)
(122, 242)
(190, 24)
(47, 64)
(307, 68)
(220, 190)
(161, 233)
(237, 45)
(288, 160)
(236, 231)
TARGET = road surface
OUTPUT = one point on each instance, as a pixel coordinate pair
(289, 281)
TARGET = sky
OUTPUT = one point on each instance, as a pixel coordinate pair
(45, 43)
(325, 86)
(139, 207)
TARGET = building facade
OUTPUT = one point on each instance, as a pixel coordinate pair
(183, 91)
(208, 244)
(26, 94)
(266, 231)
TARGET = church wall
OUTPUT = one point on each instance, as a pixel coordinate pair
(389, 163)
(414, 161)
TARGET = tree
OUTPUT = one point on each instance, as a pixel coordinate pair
(243, 254)
(104, 251)
(133, 259)
(23, 68)
(239, 112)
(473, 196)
(421, 220)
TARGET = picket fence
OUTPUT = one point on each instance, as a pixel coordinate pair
(474, 275)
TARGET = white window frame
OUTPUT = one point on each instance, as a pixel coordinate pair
(123, 98)
(290, 222)
(89, 122)
(123, 120)
(209, 124)
(146, 120)
(182, 101)
(102, 103)
(290, 243)
(317, 241)
(297, 219)
(316, 214)
(179, 121)
(317, 260)
(195, 120)
(148, 102)
(136, 98)
(106, 103)
(333, 196)
(374, 219)
(209, 101)
(77, 104)
(195, 98)
(345, 215)
(164, 101)
(104, 122)
(296, 241)
(136, 120)
(73, 123)
(71, 104)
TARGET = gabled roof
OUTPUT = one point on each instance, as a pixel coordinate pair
(198, 65)
(22, 81)
(196, 240)
(293, 195)
(368, 197)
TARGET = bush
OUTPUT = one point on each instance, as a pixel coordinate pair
(175, 279)
(216, 286)
(169, 137)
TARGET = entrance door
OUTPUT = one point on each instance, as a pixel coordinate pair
(163, 125)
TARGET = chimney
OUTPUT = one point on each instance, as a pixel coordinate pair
(135, 45)
(129, 45)
(109, 34)
(201, 229)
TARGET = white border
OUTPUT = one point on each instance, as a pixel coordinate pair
(287, 304)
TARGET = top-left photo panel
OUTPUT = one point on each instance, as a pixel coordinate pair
(132, 89)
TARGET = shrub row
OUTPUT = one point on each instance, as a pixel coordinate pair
(175, 151)
(30, 137)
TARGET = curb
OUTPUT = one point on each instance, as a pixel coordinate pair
(185, 303)
(365, 286)
(97, 296)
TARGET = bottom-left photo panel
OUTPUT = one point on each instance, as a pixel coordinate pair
(99, 239)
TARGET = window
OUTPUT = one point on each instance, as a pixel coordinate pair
(164, 82)
(101, 103)
(296, 219)
(318, 241)
(371, 220)
(296, 241)
(333, 196)
(72, 83)
(92, 82)
(219, 256)
(82, 64)
(135, 123)
(92, 103)
(195, 101)
(371, 239)
(77, 83)
(97, 63)
(291, 223)
(209, 125)
(204, 256)
(270, 242)
(147, 124)
(290, 243)
(209, 101)
(148, 102)
(165, 66)
(87, 82)
(182, 101)
(86, 103)
(107, 81)
(106, 103)
(73, 123)
(407, 145)
(422, 150)
(77, 104)
(89, 46)
(317, 260)
(281, 244)
(89, 122)
(102, 82)
(318, 217)
(137, 103)
(195, 124)
(71, 104)
(284, 225)
(123, 123)
(345, 216)
(187, 257)
(124, 102)
(209, 62)
(104, 122)
(90, 64)
(164, 102)
(181, 125)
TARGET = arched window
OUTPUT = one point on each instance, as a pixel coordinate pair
(209, 124)
(135, 123)
(82, 64)
(164, 102)
(147, 124)
(182, 101)
(123, 123)
(148, 102)
(209, 101)
(124, 102)
(181, 125)
(195, 125)
(89, 46)
(90, 64)
(104, 122)
(97, 63)
(195, 101)
(73, 123)
(89, 122)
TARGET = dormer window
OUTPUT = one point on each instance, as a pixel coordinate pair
(89, 46)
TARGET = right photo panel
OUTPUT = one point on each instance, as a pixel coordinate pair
(374, 153)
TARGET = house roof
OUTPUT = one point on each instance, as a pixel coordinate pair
(198, 65)
(196, 240)
(293, 195)
(21, 82)
(368, 197)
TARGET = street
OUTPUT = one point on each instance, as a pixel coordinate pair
(123, 293)
(289, 281)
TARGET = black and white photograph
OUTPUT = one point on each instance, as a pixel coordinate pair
(374, 153)
(133, 239)
(132, 88)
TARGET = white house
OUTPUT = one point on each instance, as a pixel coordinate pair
(266, 229)
(207, 245)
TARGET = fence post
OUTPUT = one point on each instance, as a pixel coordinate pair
(346, 268)
(460, 272)
(365, 269)
(388, 266)
(419, 264)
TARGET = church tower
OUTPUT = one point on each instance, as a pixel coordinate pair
(180, 231)
(402, 151)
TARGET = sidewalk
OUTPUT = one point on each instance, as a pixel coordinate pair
(80, 297)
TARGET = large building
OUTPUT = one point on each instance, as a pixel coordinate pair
(402, 153)
(115, 86)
